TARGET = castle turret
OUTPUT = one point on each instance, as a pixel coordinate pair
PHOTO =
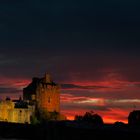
(47, 78)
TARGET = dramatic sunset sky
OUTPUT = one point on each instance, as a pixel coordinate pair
(91, 48)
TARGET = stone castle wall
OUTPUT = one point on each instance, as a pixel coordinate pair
(9, 113)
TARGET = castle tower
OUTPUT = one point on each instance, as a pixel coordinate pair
(44, 93)
(48, 95)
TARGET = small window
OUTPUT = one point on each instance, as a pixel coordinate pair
(49, 100)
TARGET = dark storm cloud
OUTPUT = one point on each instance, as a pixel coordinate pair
(65, 23)
(9, 90)
(71, 39)
(72, 86)
(83, 106)
(106, 94)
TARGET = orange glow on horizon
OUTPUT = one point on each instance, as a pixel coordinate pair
(112, 116)
(106, 119)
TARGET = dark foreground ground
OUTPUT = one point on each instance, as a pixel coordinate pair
(68, 131)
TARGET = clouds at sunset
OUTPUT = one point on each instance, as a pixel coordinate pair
(90, 48)
(107, 96)
(115, 98)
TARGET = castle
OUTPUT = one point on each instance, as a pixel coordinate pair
(41, 100)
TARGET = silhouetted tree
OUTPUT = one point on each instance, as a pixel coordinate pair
(54, 115)
(78, 118)
(119, 124)
(34, 120)
(90, 117)
(134, 117)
